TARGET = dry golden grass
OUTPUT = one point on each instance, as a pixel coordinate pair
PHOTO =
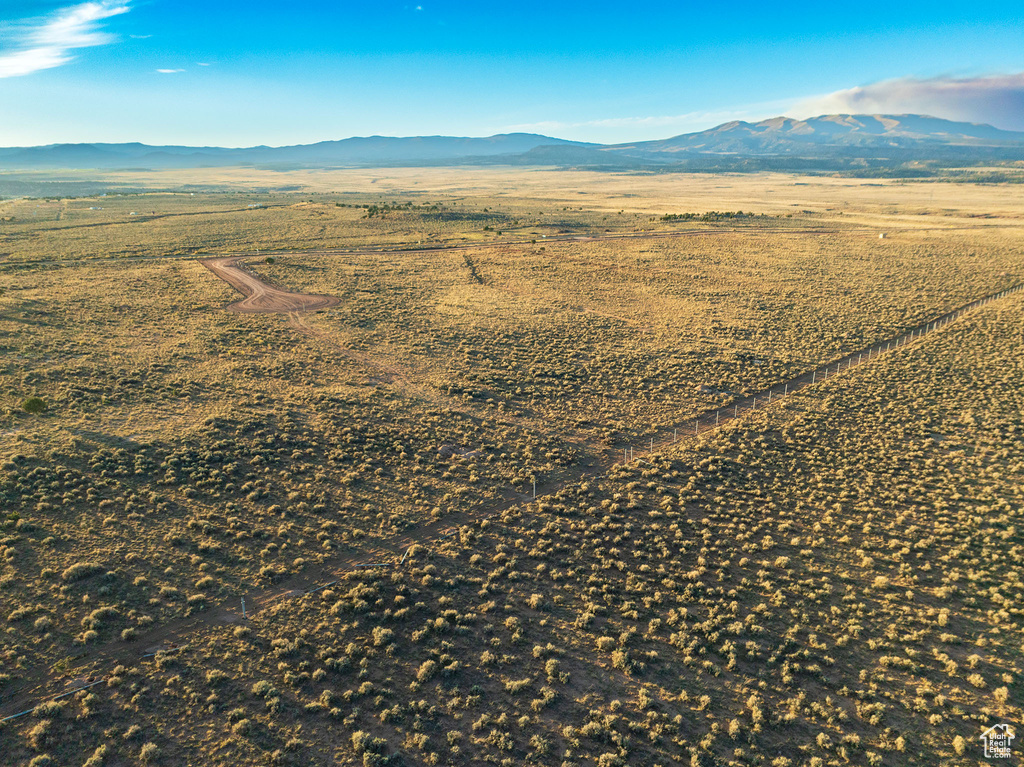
(764, 595)
(518, 202)
(848, 563)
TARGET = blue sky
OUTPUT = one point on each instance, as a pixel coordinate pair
(231, 73)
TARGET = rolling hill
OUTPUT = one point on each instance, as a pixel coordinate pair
(372, 150)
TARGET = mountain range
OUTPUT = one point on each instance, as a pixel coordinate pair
(825, 142)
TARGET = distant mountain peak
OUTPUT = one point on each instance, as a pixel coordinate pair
(782, 134)
(833, 140)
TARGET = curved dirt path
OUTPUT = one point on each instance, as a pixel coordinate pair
(260, 296)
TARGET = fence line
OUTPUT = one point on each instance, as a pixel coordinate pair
(711, 419)
(56, 697)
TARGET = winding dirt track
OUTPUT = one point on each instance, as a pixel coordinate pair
(260, 296)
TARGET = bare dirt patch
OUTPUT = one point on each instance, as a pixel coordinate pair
(261, 297)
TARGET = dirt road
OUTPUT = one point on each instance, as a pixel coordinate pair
(260, 296)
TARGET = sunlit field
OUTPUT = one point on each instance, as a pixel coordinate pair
(833, 579)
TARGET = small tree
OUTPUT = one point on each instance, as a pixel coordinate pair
(34, 405)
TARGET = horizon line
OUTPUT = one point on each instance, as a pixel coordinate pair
(502, 134)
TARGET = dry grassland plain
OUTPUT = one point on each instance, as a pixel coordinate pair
(835, 579)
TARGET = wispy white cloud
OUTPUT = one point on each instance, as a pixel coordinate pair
(169, 71)
(995, 99)
(50, 42)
